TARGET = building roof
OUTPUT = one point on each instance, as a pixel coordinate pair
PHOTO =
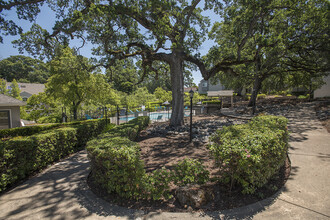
(220, 93)
(31, 88)
(10, 101)
(189, 88)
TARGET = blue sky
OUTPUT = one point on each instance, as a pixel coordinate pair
(46, 19)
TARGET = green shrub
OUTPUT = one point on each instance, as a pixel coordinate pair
(21, 156)
(303, 96)
(250, 154)
(189, 171)
(130, 129)
(116, 166)
(284, 93)
(261, 96)
(157, 184)
(50, 119)
(216, 102)
(151, 106)
(88, 129)
(108, 127)
(26, 131)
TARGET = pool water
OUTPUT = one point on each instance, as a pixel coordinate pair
(154, 116)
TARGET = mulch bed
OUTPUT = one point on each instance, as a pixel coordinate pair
(164, 151)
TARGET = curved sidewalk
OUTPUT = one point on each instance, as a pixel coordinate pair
(61, 192)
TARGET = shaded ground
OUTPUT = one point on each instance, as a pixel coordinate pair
(323, 113)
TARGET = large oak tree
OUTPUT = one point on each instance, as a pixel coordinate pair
(289, 40)
(153, 31)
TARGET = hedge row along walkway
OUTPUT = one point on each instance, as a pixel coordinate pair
(61, 192)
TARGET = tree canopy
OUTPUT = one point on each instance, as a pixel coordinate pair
(256, 39)
(71, 81)
(289, 40)
(24, 69)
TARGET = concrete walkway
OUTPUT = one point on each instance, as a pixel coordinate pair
(61, 192)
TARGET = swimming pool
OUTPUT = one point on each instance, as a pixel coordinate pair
(154, 116)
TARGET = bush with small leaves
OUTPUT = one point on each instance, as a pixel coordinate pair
(189, 171)
(250, 154)
(22, 155)
(116, 166)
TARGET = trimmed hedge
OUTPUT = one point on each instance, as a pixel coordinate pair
(215, 102)
(116, 165)
(21, 156)
(26, 131)
(115, 159)
(250, 154)
(130, 129)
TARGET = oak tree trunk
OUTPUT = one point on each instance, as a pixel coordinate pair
(176, 67)
(75, 110)
(256, 89)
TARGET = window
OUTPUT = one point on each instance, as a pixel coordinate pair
(4, 119)
(204, 84)
(25, 99)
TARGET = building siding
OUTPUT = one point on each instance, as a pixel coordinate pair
(14, 115)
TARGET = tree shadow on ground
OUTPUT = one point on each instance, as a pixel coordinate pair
(58, 193)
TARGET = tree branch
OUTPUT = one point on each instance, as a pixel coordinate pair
(225, 66)
(190, 10)
(15, 3)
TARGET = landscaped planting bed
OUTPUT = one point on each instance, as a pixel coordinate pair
(122, 175)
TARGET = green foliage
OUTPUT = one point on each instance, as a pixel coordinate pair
(25, 131)
(163, 95)
(142, 96)
(101, 92)
(288, 45)
(215, 102)
(155, 79)
(54, 118)
(123, 75)
(15, 90)
(261, 96)
(189, 171)
(21, 156)
(157, 184)
(40, 105)
(71, 82)
(24, 69)
(250, 154)
(116, 165)
(303, 96)
(3, 87)
(130, 129)
(115, 159)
